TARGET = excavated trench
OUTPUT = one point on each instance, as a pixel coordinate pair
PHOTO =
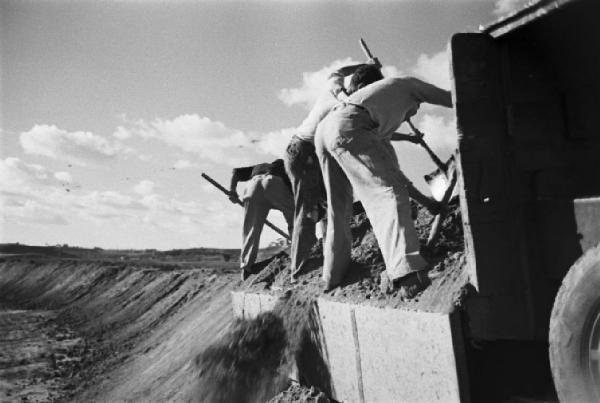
(81, 330)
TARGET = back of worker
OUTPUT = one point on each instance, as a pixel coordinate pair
(392, 100)
(353, 145)
(268, 187)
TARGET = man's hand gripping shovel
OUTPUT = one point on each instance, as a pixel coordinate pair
(436, 222)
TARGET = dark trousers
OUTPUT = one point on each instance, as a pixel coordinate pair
(303, 169)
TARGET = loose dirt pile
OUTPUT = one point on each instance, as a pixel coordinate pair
(361, 285)
(251, 363)
(296, 393)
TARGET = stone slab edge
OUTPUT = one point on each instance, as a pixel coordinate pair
(365, 359)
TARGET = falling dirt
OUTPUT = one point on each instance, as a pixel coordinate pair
(253, 361)
(247, 365)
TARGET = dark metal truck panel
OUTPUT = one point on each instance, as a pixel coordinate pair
(527, 99)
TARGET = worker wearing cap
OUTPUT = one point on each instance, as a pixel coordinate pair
(268, 188)
(303, 169)
(355, 153)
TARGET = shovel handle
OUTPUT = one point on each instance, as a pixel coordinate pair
(228, 193)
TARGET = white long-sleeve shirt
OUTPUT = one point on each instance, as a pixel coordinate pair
(326, 101)
(391, 100)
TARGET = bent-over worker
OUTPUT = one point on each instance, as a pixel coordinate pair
(303, 168)
(355, 152)
(268, 188)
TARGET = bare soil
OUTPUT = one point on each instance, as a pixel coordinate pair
(89, 326)
(362, 283)
(251, 362)
(87, 330)
(296, 393)
(39, 355)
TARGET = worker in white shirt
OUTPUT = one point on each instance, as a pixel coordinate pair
(303, 169)
(355, 153)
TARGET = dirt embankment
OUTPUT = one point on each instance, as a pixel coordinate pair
(250, 363)
(97, 331)
(491, 366)
(361, 284)
(141, 331)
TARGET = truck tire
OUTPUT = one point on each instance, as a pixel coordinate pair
(575, 332)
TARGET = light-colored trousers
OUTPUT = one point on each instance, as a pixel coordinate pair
(261, 194)
(304, 172)
(352, 156)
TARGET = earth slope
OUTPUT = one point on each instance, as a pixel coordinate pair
(87, 330)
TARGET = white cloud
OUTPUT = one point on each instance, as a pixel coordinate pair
(504, 7)
(97, 206)
(200, 135)
(145, 188)
(274, 142)
(113, 198)
(76, 147)
(121, 133)
(16, 174)
(440, 133)
(34, 200)
(31, 211)
(391, 71)
(185, 164)
(211, 141)
(313, 83)
(63, 176)
(434, 69)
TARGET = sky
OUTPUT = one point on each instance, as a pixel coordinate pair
(111, 110)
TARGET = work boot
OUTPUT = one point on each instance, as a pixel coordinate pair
(408, 286)
(412, 284)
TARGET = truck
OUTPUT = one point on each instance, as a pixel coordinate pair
(526, 91)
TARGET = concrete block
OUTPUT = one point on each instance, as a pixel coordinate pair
(340, 350)
(407, 356)
(369, 354)
(267, 302)
(251, 305)
(237, 304)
